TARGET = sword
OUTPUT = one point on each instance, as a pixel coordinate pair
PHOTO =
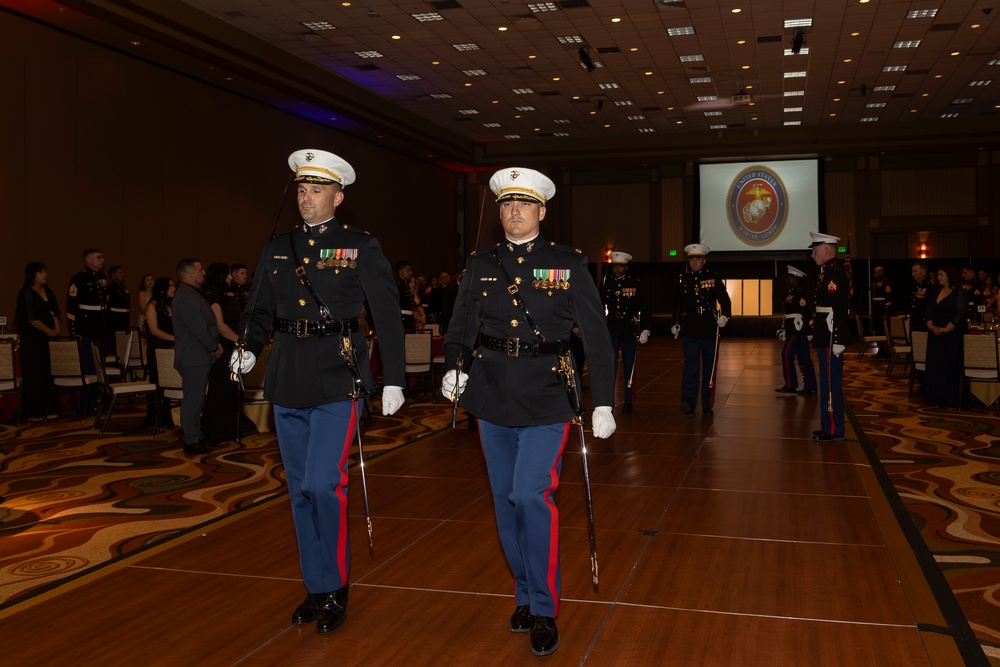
(360, 392)
(635, 356)
(715, 356)
(573, 391)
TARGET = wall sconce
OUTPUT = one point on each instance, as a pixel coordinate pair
(922, 251)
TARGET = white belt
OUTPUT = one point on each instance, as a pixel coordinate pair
(87, 306)
(829, 315)
(119, 310)
(406, 312)
(878, 298)
(797, 317)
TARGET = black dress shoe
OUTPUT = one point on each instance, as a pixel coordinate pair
(308, 611)
(687, 409)
(333, 610)
(521, 620)
(785, 390)
(708, 413)
(544, 635)
(197, 448)
(816, 434)
(627, 410)
(806, 392)
(828, 437)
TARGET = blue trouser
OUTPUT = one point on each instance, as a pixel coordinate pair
(796, 348)
(627, 345)
(698, 352)
(831, 391)
(315, 443)
(523, 465)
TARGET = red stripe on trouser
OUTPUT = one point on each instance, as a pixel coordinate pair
(342, 544)
(553, 567)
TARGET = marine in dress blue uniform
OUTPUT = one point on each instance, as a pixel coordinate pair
(918, 296)
(308, 380)
(86, 314)
(119, 302)
(795, 331)
(698, 323)
(624, 300)
(513, 387)
(831, 335)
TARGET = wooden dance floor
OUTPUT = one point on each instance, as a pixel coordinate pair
(729, 540)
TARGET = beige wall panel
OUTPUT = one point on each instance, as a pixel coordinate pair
(613, 216)
(949, 191)
(152, 167)
(672, 218)
(841, 211)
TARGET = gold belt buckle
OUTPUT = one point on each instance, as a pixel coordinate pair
(301, 328)
(512, 347)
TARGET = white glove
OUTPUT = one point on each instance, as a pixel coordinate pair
(242, 362)
(392, 399)
(676, 330)
(644, 337)
(798, 322)
(722, 321)
(781, 335)
(838, 350)
(604, 422)
(448, 384)
(809, 338)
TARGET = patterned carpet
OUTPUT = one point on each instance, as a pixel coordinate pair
(73, 501)
(945, 466)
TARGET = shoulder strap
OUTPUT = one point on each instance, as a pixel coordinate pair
(518, 301)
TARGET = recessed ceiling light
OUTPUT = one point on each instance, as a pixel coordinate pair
(524, 108)
(368, 54)
(560, 134)
(793, 122)
(921, 13)
(318, 25)
(435, 62)
(607, 86)
(713, 113)
(855, 34)
(803, 51)
(836, 99)
(555, 78)
(798, 23)
(737, 10)
(678, 122)
(794, 93)
(648, 73)
(522, 91)
(491, 124)
(677, 32)
(949, 115)
(468, 85)
(468, 46)
(502, 28)
(512, 136)
(532, 57)
(841, 82)
(634, 49)
(700, 79)
(407, 77)
(875, 105)
(894, 68)
(707, 98)
(925, 95)
(793, 109)
(974, 25)
(468, 112)
(423, 17)
(616, 20)
(635, 117)
(397, 37)
(954, 53)
(570, 39)
(692, 58)
(883, 89)
(473, 72)
(913, 111)
(623, 103)
(847, 60)
(745, 67)
(794, 75)
(135, 42)
(938, 76)
(749, 87)
(717, 127)
(441, 96)
(906, 44)
(869, 119)
(742, 41)
(832, 115)
(646, 130)
(538, 7)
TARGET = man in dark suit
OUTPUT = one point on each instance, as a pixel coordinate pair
(196, 343)
(514, 388)
(311, 283)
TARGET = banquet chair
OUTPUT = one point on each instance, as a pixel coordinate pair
(169, 386)
(981, 362)
(112, 390)
(918, 355)
(898, 334)
(866, 340)
(10, 384)
(67, 370)
(418, 355)
(251, 391)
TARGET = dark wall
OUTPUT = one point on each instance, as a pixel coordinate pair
(100, 149)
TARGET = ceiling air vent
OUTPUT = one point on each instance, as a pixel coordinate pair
(768, 39)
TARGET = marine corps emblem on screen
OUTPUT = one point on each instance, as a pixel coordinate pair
(757, 205)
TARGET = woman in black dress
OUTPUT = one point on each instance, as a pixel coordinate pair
(947, 314)
(218, 419)
(159, 336)
(36, 320)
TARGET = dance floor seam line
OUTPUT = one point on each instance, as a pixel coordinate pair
(773, 493)
(767, 539)
(236, 575)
